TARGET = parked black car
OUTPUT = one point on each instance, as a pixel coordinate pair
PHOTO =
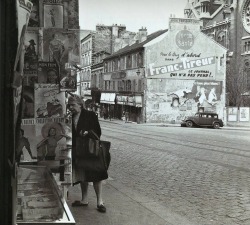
(203, 119)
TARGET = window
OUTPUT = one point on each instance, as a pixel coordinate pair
(113, 65)
(133, 88)
(140, 85)
(140, 59)
(246, 46)
(129, 61)
(128, 85)
(118, 64)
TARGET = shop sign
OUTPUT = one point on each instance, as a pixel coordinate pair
(108, 98)
(186, 64)
(131, 100)
(122, 99)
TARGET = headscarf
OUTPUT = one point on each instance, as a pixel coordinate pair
(76, 99)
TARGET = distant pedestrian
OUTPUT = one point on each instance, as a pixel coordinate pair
(105, 113)
(110, 114)
(126, 116)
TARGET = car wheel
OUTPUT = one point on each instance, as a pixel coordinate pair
(216, 125)
(189, 123)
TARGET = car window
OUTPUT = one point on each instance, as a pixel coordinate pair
(197, 115)
(215, 116)
(209, 116)
(204, 116)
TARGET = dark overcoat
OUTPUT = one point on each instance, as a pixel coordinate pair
(87, 121)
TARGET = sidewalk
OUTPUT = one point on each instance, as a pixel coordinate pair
(123, 208)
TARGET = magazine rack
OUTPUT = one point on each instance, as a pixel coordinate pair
(39, 200)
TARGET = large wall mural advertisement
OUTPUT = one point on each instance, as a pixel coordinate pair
(185, 73)
(185, 53)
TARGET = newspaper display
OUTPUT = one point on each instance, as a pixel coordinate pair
(37, 198)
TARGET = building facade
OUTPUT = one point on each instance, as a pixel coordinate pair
(185, 73)
(95, 46)
(84, 76)
(124, 79)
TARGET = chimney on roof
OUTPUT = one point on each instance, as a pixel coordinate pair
(142, 34)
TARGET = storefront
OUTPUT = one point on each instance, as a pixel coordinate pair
(107, 105)
(132, 104)
(185, 72)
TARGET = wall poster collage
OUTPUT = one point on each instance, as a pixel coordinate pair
(49, 46)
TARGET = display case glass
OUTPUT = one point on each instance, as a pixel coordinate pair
(39, 199)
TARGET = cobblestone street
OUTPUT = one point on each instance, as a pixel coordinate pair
(198, 174)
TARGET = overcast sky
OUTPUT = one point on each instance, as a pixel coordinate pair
(134, 14)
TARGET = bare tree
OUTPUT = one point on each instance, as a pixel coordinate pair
(236, 85)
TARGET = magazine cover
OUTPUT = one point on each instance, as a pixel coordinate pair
(31, 52)
(34, 15)
(60, 46)
(28, 102)
(44, 139)
(26, 148)
(49, 101)
(53, 15)
(51, 136)
(48, 73)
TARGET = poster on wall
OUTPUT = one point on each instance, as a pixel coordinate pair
(49, 101)
(31, 52)
(203, 93)
(45, 139)
(232, 114)
(27, 145)
(57, 46)
(51, 138)
(68, 82)
(34, 15)
(244, 114)
(28, 102)
(48, 73)
(53, 16)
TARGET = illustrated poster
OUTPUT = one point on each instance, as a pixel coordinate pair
(49, 101)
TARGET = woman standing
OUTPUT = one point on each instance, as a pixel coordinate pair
(84, 121)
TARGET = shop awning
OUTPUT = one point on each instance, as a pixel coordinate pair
(108, 98)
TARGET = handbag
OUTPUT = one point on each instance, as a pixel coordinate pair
(88, 145)
(96, 164)
(94, 154)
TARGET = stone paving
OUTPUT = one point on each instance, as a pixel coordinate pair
(207, 185)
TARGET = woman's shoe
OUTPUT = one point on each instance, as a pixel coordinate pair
(79, 203)
(101, 208)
